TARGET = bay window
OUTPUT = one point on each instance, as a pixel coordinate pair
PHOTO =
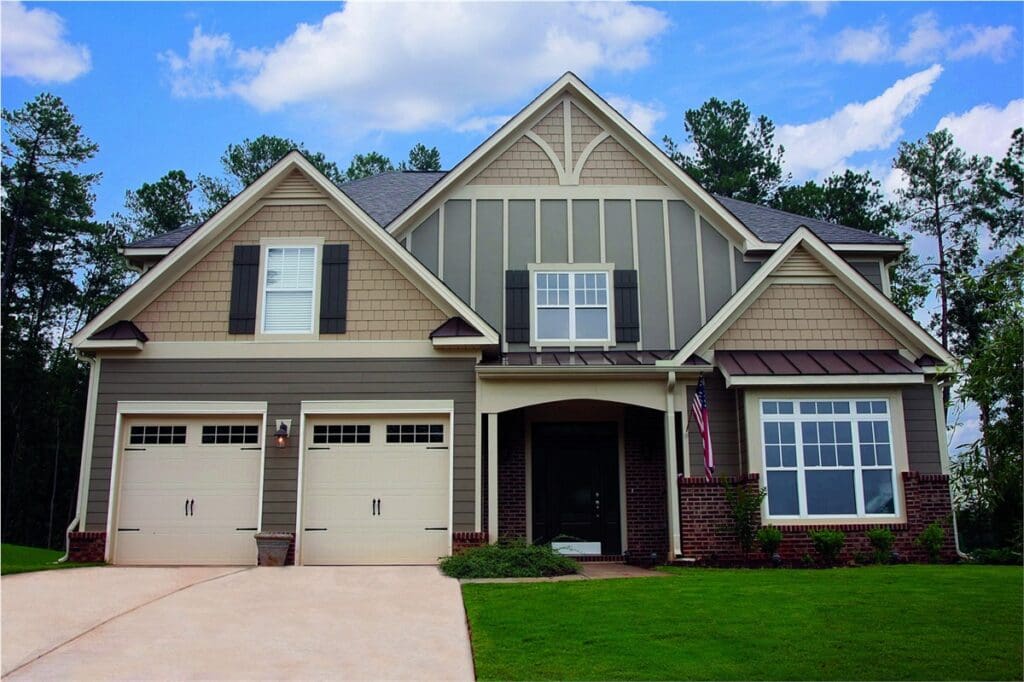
(571, 307)
(828, 458)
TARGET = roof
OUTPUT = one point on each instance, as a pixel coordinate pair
(386, 195)
(167, 240)
(813, 362)
(124, 330)
(454, 327)
(774, 226)
(580, 358)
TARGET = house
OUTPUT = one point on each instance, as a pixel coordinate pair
(414, 363)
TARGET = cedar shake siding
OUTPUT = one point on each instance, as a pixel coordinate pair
(284, 384)
(611, 164)
(524, 163)
(382, 303)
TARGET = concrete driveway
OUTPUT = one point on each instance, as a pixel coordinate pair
(230, 623)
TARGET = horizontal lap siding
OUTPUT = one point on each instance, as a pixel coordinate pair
(723, 410)
(283, 384)
(922, 431)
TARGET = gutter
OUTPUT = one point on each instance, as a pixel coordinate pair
(85, 467)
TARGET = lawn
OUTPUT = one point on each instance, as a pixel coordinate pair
(899, 623)
(20, 559)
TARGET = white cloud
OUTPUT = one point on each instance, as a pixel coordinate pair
(985, 129)
(926, 41)
(826, 144)
(476, 124)
(199, 73)
(819, 8)
(862, 46)
(644, 115)
(994, 42)
(34, 46)
(406, 67)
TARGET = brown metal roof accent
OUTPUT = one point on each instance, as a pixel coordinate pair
(454, 327)
(124, 330)
(581, 358)
(813, 362)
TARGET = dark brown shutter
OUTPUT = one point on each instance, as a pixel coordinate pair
(627, 307)
(245, 275)
(334, 289)
(517, 306)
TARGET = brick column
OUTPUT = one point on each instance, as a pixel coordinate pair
(646, 510)
(512, 475)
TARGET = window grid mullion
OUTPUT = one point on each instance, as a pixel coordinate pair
(858, 483)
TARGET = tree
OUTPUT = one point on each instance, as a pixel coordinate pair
(367, 165)
(161, 206)
(422, 159)
(732, 156)
(1007, 221)
(243, 163)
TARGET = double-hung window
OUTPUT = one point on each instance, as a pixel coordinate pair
(571, 307)
(828, 458)
(289, 289)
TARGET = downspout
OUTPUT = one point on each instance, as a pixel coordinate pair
(940, 414)
(86, 458)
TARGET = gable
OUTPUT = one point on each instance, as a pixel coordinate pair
(382, 303)
(295, 185)
(524, 163)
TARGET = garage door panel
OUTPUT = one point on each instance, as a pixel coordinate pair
(203, 548)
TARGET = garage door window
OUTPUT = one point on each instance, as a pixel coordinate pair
(342, 433)
(231, 434)
(415, 433)
(157, 435)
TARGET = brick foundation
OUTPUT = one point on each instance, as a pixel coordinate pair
(646, 510)
(704, 522)
(512, 475)
(86, 546)
(467, 540)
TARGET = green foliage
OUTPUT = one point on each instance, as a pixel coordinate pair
(881, 540)
(509, 559)
(368, 165)
(158, 207)
(744, 513)
(1003, 556)
(769, 538)
(931, 540)
(1008, 186)
(733, 155)
(828, 544)
(422, 159)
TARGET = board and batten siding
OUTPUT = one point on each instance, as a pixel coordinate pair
(284, 384)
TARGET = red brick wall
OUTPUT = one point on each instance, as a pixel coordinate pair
(467, 540)
(646, 510)
(86, 547)
(512, 475)
(704, 520)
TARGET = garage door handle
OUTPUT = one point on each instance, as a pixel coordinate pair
(192, 508)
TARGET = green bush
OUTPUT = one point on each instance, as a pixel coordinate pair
(828, 544)
(769, 539)
(881, 540)
(744, 513)
(931, 540)
(1003, 556)
(512, 559)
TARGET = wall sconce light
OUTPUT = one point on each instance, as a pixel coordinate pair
(281, 434)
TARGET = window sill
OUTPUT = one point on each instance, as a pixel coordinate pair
(833, 521)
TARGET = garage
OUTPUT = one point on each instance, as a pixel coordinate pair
(189, 490)
(375, 489)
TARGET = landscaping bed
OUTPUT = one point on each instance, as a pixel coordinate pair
(512, 559)
(881, 622)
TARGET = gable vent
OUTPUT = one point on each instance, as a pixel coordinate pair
(295, 186)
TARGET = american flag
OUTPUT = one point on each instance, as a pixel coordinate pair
(700, 415)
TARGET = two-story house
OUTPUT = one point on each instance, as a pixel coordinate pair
(413, 363)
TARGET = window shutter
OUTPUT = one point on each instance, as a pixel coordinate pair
(627, 307)
(245, 275)
(334, 289)
(517, 306)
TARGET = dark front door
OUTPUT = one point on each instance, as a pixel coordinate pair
(576, 483)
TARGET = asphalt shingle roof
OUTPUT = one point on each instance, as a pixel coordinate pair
(385, 196)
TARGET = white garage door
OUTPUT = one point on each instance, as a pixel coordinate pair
(189, 490)
(375, 490)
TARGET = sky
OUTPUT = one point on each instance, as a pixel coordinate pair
(162, 86)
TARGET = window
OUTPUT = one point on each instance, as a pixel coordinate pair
(415, 433)
(157, 435)
(231, 434)
(341, 433)
(828, 458)
(288, 291)
(572, 307)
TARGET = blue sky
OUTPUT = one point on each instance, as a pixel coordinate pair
(163, 86)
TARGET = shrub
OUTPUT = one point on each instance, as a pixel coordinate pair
(744, 513)
(828, 544)
(511, 559)
(1004, 556)
(881, 540)
(769, 539)
(931, 540)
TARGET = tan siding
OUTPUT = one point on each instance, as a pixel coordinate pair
(524, 163)
(551, 129)
(583, 131)
(611, 164)
(805, 316)
(296, 185)
(382, 303)
(800, 263)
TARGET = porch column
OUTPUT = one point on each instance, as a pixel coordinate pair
(672, 469)
(492, 477)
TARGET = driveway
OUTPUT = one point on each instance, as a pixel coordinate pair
(230, 623)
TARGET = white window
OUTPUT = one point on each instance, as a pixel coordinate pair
(571, 307)
(828, 458)
(288, 290)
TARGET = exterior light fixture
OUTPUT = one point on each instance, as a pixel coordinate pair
(281, 434)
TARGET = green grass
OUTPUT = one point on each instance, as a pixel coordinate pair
(899, 623)
(20, 559)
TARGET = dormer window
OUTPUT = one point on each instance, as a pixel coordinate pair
(571, 307)
(289, 290)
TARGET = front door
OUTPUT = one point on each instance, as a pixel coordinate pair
(576, 483)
